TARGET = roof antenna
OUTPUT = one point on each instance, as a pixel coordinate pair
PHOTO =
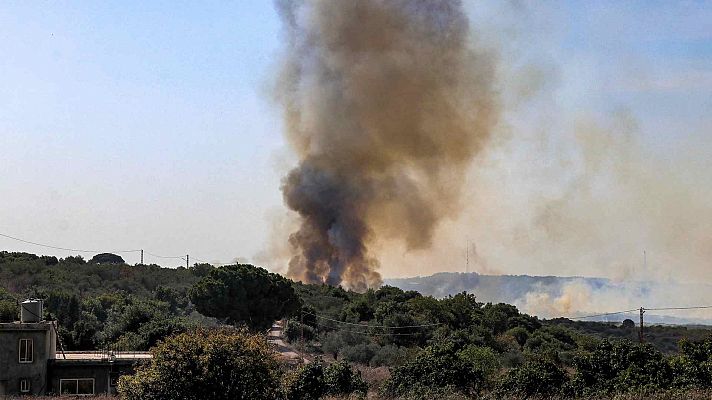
(467, 257)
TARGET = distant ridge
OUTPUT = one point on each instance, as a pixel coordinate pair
(589, 295)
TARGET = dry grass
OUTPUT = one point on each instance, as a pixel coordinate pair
(99, 397)
(671, 395)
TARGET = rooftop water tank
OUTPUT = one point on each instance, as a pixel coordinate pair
(31, 310)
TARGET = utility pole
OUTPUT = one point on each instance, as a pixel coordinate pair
(141, 256)
(301, 328)
(641, 335)
(187, 261)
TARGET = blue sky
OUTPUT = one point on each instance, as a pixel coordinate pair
(149, 124)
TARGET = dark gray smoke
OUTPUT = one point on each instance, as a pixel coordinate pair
(386, 103)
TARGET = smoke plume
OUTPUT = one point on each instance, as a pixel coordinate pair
(386, 103)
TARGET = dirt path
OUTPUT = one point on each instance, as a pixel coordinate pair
(276, 338)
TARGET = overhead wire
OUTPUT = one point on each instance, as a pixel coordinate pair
(88, 251)
(159, 256)
(372, 326)
(370, 333)
(601, 315)
(676, 308)
(66, 248)
(320, 316)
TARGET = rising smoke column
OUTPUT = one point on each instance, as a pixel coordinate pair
(386, 103)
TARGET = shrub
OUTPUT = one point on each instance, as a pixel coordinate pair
(314, 380)
(621, 366)
(361, 353)
(217, 364)
(294, 330)
(8, 311)
(341, 379)
(306, 383)
(520, 334)
(437, 366)
(482, 360)
(538, 377)
(388, 355)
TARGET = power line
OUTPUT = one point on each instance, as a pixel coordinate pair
(677, 308)
(65, 248)
(369, 333)
(173, 257)
(373, 326)
(603, 314)
(88, 251)
(636, 309)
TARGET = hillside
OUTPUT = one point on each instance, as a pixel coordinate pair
(451, 344)
(555, 296)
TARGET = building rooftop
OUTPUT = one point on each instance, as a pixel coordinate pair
(102, 355)
(25, 326)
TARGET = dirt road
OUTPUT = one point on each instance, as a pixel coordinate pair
(276, 338)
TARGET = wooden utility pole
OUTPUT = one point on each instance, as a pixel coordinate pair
(141, 256)
(187, 261)
(301, 327)
(641, 335)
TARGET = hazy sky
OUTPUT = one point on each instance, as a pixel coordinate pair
(128, 125)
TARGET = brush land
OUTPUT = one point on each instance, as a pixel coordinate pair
(380, 343)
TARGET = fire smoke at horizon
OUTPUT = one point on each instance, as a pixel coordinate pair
(386, 104)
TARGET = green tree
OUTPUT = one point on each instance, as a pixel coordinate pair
(438, 366)
(217, 364)
(306, 383)
(340, 379)
(537, 377)
(245, 294)
(107, 258)
(9, 309)
(314, 380)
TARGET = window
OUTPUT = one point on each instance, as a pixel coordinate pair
(26, 350)
(82, 386)
(24, 385)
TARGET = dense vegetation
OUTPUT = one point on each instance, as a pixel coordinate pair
(431, 347)
(459, 345)
(207, 364)
(243, 294)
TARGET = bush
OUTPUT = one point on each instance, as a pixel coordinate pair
(538, 377)
(294, 330)
(438, 366)
(306, 383)
(388, 355)
(341, 379)
(8, 311)
(361, 353)
(314, 380)
(482, 360)
(217, 364)
(619, 367)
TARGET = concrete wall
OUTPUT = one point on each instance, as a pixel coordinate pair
(11, 370)
(100, 371)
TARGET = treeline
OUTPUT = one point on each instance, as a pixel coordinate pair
(431, 347)
(105, 303)
(459, 345)
(102, 302)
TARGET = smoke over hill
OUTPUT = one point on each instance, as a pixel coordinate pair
(386, 103)
(413, 143)
(556, 296)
